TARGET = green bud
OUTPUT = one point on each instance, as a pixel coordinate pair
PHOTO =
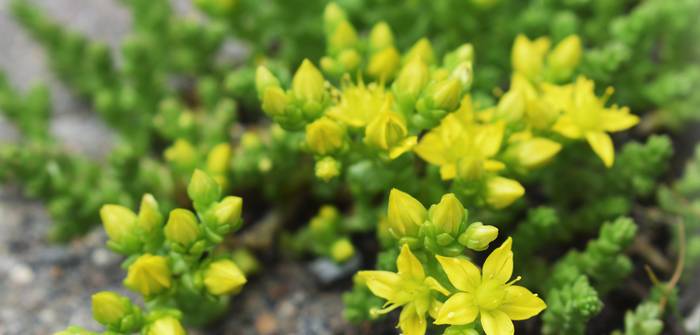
(228, 211)
(203, 189)
(478, 236)
(274, 101)
(344, 36)
(308, 83)
(264, 79)
(149, 216)
(182, 154)
(119, 223)
(422, 50)
(411, 80)
(182, 227)
(332, 16)
(380, 36)
(446, 94)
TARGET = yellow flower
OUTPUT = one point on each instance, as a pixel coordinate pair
(405, 214)
(228, 210)
(167, 325)
(455, 140)
(219, 158)
(501, 192)
(527, 56)
(387, 131)
(325, 136)
(327, 168)
(223, 277)
(342, 250)
(585, 116)
(148, 275)
(358, 104)
(410, 288)
(182, 154)
(487, 293)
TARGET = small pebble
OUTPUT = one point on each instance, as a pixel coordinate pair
(101, 257)
(21, 274)
(265, 324)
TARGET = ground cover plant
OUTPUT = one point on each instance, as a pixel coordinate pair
(480, 167)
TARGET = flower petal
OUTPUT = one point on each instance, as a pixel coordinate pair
(618, 120)
(521, 304)
(411, 322)
(566, 126)
(499, 264)
(435, 285)
(382, 283)
(496, 323)
(459, 309)
(408, 265)
(489, 138)
(463, 274)
(603, 147)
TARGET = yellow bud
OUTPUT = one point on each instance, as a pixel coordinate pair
(182, 153)
(511, 106)
(422, 50)
(308, 82)
(203, 188)
(166, 325)
(148, 275)
(383, 64)
(342, 250)
(149, 214)
(332, 16)
(478, 236)
(501, 192)
(109, 308)
(465, 53)
(118, 221)
(412, 79)
(446, 94)
(344, 36)
(274, 101)
(535, 152)
(528, 56)
(448, 214)
(325, 136)
(387, 131)
(566, 56)
(182, 227)
(464, 73)
(246, 261)
(218, 159)
(349, 59)
(223, 277)
(264, 79)
(327, 168)
(405, 214)
(228, 211)
(380, 36)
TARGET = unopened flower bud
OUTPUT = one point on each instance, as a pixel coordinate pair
(511, 106)
(412, 79)
(246, 261)
(464, 73)
(566, 56)
(203, 189)
(182, 154)
(182, 227)
(264, 79)
(422, 50)
(274, 101)
(118, 222)
(478, 236)
(325, 136)
(387, 131)
(166, 325)
(350, 59)
(308, 82)
(219, 158)
(446, 94)
(223, 277)
(464, 53)
(228, 211)
(148, 275)
(327, 168)
(405, 214)
(527, 56)
(342, 250)
(332, 16)
(448, 214)
(344, 36)
(501, 192)
(109, 308)
(149, 217)
(380, 36)
(383, 64)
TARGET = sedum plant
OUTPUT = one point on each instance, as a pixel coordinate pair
(174, 262)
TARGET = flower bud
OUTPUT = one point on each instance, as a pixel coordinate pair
(422, 51)
(464, 73)
(344, 36)
(332, 16)
(166, 325)
(203, 189)
(412, 79)
(109, 308)
(533, 153)
(511, 106)
(264, 79)
(149, 218)
(325, 136)
(342, 250)
(246, 261)
(219, 158)
(182, 154)
(118, 221)
(308, 83)
(383, 64)
(274, 101)
(446, 94)
(387, 131)
(527, 56)
(464, 53)
(182, 227)
(405, 214)
(501, 192)
(228, 211)
(223, 277)
(350, 59)
(478, 236)
(327, 168)
(380, 36)
(148, 275)
(566, 56)
(448, 214)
